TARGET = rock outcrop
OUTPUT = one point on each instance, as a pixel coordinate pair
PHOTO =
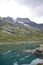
(38, 50)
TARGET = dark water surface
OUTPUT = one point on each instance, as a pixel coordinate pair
(13, 57)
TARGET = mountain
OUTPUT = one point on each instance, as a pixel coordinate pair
(18, 30)
(9, 18)
(30, 23)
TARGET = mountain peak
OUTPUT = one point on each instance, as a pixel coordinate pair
(23, 19)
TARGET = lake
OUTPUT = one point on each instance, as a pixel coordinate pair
(12, 54)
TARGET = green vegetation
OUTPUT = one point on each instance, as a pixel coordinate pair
(39, 64)
(11, 32)
(5, 37)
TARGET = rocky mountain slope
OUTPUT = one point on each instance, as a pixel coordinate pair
(29, 22)
(18, 30)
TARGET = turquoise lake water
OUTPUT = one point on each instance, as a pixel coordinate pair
(11, 57)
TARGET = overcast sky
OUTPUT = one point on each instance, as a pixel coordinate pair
(32, 9)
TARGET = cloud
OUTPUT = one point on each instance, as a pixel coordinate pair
(31, 3)
(35, 5)
(32, 9)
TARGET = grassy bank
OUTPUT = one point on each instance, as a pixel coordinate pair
(39, 64)
(5, 37)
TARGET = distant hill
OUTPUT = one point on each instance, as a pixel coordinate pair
(21, 29)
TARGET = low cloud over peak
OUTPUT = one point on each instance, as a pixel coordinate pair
(35, 5)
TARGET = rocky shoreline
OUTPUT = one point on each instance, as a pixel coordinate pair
(38, 50)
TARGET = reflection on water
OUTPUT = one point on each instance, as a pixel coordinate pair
(36, 61)
(15, 56)
(7, 52)
(41, 57)
(12, 58)
(15, 63)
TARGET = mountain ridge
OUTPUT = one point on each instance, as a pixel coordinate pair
(31, 23)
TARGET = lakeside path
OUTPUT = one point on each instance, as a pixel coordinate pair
(21, 42)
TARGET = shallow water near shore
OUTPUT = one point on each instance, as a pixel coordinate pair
(15, 56)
